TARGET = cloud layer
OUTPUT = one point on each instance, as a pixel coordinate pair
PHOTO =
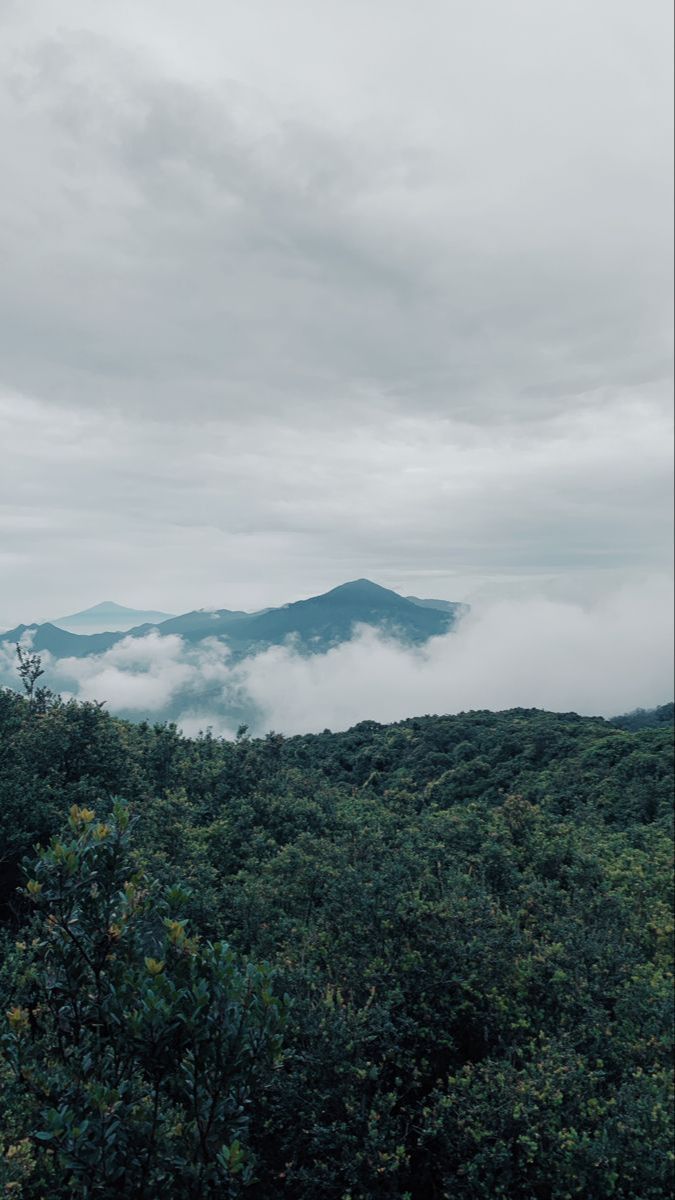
(293, 294)
(220, 515)
(604, 659)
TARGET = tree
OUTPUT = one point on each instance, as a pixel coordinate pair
(135, 1046)
(30, 669)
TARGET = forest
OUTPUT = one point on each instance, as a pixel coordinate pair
(429, 960)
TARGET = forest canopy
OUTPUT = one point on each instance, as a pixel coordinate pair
(429, 959)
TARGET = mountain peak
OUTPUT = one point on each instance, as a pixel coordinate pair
(360, 587)
(104, 606)
(108, 616)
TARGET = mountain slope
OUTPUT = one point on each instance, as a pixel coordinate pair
(323, 621)
(201, 623)
(60, 642)
(447, 606)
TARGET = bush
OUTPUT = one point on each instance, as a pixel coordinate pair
(134, 1047)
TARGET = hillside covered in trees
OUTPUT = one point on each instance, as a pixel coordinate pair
(424, 960)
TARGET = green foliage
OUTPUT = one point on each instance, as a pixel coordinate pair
(470, 915)
(134, 1047)
(646, 718)
(29, 670)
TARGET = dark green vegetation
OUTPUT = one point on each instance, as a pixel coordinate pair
(315, 624)
(429, 959)
(646, 718)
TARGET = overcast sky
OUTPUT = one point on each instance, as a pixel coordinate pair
(296, 292)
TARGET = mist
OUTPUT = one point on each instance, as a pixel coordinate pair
(608, 657)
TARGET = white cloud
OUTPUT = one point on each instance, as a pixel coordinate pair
(603, 659)
(137, 674)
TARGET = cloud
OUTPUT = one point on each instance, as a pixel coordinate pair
(602, 659)
(220, 515)
(268, 324)
(494, 232)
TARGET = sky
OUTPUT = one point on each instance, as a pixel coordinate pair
(298, 293)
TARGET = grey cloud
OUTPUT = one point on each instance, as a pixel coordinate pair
(265, 260)
(243, 517)
(215, 514)
(297, 293)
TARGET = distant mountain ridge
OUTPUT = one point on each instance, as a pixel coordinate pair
(108, 617)
(645, 718)
(314, 625)
(449, 606)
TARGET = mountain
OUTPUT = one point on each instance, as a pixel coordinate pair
(63, 644)
(108, 617)
(201, 623)
(447, 606)
(315, 624)
(324, 621)
(645, 718)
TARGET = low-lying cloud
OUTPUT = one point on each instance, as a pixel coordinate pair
(608, 658)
